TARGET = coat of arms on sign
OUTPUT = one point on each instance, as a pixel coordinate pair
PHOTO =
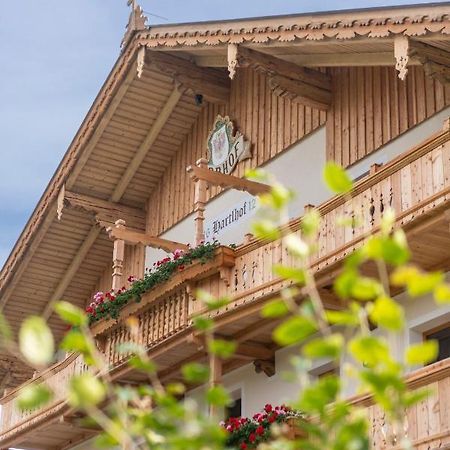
(225, 149)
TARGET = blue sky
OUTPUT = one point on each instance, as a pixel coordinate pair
(55, 56)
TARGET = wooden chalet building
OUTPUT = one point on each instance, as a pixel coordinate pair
(367, 88)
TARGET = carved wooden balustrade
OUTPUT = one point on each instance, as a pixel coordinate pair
(416, 185)
(57, 377)
(426, 424)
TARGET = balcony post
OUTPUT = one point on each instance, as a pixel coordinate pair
(215, 377)
(118, 257)
(200, 204)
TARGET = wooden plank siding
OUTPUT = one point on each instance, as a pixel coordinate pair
(372, 106)
(269, 122)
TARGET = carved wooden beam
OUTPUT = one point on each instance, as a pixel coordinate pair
(105, 212)
(230, 181)
(120, 232)
(212, 84)
(307, 86)
(435, 61)
(253, 351)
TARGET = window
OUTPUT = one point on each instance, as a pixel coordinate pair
(235, 408)
(442, 335)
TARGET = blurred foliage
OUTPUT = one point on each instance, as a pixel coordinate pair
(158, 416)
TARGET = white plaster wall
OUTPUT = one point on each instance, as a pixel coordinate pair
(299, 168)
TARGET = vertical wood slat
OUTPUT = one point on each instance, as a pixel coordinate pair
(271, 123)
(367, 113)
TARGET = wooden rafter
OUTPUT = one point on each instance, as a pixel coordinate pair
(116, 195)
(436, 61)
(100, 128)
(120, 232)
(300, 84)
(227, 181)
(212, 84)
(105, 212)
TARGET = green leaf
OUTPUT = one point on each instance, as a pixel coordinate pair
(221, 348)
(274, 309)
(347, 318)
(176, 388)
(344, 282)
(211, 302)
(392, 250)
(386, 313)
(33, 397)
(277, 198)
(294, 330)
(76, 341)
(365, 288)
(402, 275)
(218, 396)
(442, 294)
(257, 174)
(310, 223)
(202, 323)
(265, 229)
(315, 398)
(195, 373)
(423, 353)
(369, 350)
(86, 390)
(36, 341)
(141, 364)
(289, 273)
(424, 283)
(71, 314)
(326, 347)
(417, 283)
(336, 178)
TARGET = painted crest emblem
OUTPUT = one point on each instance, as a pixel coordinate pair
(225, 149)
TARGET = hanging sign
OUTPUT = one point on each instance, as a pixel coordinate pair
(225, 149)
(230, 218)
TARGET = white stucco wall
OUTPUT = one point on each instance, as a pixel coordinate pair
(300, 169)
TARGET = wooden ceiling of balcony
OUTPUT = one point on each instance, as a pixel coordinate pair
(51, 255)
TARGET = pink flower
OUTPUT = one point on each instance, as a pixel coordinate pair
(178, 253)
(260, 430)
(98, 297)
(131, 279)
(252, 437)
(268, 408)
(243, 446)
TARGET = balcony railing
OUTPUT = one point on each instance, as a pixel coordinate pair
(416, 185)
(13, 420)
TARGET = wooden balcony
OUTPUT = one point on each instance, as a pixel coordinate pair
(416, 185)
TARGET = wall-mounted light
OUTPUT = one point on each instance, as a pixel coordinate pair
(198, 99)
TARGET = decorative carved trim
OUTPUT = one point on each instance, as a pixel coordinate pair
(136, 21)
(232, 59)
(409, 21)
(60, 202)
(140, 61)
(401, 53)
